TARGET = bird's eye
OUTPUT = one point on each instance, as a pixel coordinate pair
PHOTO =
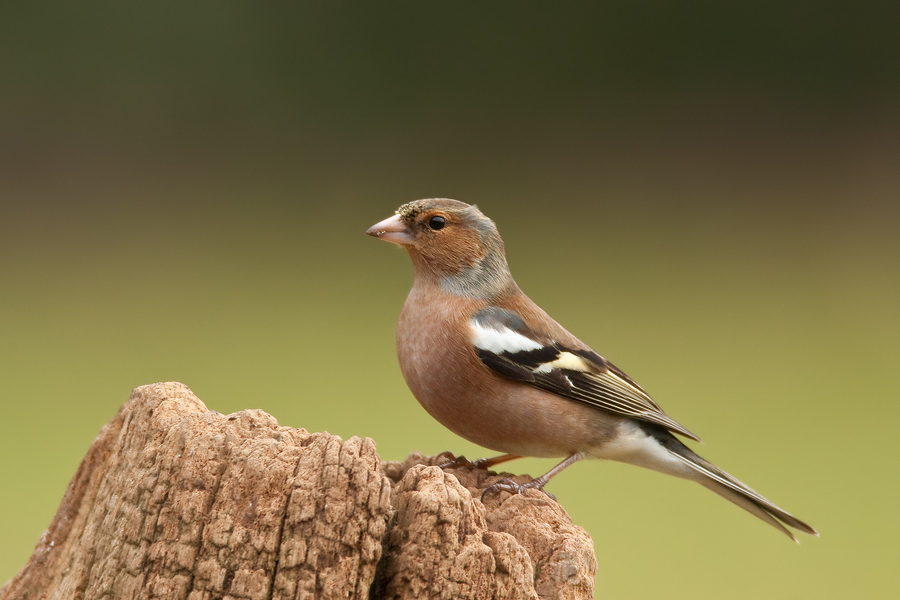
(437, 223)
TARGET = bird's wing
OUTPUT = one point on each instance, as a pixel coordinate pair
(505, 344)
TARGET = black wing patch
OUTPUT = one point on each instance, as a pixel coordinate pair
(504, 366)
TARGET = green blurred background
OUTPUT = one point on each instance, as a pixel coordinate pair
(707, 193)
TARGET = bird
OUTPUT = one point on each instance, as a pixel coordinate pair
(490, 365)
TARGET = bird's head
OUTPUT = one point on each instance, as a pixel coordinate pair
(451, 243)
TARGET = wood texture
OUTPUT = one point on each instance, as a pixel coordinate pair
(175, 501)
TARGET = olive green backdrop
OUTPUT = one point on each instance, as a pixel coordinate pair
(706, 194)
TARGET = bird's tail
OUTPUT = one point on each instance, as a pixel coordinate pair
(717, 480)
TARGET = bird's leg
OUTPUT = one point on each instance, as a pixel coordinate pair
(481, 463)
(537, 483)
(487, 463)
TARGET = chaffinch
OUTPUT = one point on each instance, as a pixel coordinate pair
(494, 368)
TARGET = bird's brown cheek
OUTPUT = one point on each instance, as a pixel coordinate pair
(458, 253)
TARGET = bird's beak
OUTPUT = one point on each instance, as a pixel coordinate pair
(393, 230)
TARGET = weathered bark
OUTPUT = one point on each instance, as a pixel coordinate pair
(175, 501)
(445, 543)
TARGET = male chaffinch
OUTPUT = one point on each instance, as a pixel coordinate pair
(494, 368)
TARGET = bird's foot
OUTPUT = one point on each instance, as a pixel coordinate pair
(508, 485)
(456, 462)
(482, 463)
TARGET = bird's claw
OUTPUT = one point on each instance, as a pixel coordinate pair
(508, 485)
(458, 462)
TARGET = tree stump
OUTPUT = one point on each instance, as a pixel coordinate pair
(176, 501)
